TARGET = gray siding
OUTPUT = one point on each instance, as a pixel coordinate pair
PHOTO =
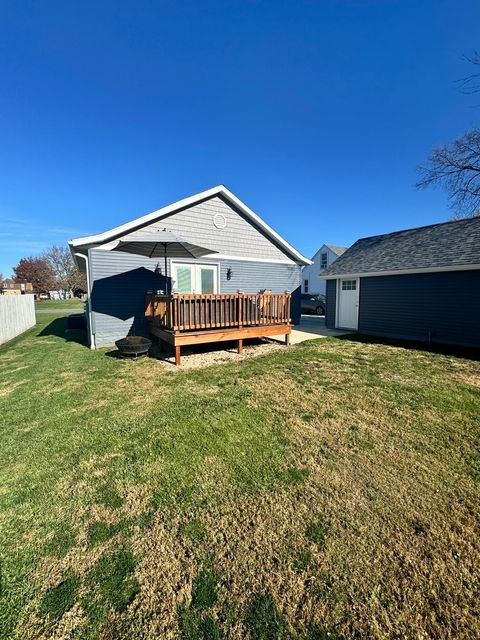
(331, 296)
(441, 307)
(239, 237)
(119, 282)
(251, 277)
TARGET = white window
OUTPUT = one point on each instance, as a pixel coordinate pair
(195, 278)
(323, 260)
(305, 286)
(349, 285)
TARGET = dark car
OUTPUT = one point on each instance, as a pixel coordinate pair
(314, 303)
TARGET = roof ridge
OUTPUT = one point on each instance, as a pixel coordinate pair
(425, 226)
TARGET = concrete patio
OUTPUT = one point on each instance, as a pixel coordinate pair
(312, 327)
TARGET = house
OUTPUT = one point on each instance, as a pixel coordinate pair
(312, 281)
(250, 256)
(416, 284)
(11, 287)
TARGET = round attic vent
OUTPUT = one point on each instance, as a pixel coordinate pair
(219, 221)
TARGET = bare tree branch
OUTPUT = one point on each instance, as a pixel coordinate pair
(471, 83)
(67, 276)
(456, 168)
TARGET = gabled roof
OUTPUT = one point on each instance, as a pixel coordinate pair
(337, 250)
(446, 246)
(220, 190)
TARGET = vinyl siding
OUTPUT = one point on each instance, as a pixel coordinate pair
(441, 307)
(119, 282)
(331, 296)
(239, 237)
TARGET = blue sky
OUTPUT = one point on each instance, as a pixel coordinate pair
(314, 113)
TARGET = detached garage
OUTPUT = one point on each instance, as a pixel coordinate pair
(418, 284)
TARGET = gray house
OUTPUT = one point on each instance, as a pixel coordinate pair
(249, 256)
(418, 284)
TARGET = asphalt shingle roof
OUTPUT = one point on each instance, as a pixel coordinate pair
(449, 244)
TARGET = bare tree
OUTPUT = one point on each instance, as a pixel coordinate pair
(67, 275)
(456, 168)
(471, 83)
(1, 277)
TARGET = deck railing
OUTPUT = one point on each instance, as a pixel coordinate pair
(190, 311)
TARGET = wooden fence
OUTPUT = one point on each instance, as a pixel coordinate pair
(17, 314)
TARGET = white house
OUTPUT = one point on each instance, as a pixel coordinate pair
(312, 281)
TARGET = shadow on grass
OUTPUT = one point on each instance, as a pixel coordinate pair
(59, 328)
(468, 353)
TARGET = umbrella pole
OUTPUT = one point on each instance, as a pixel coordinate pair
(167, 287)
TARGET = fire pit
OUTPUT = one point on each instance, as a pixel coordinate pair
(133, 346)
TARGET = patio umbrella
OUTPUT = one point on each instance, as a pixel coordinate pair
(164, 244)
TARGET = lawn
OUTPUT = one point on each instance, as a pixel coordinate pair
(329, 490)
(73, 303)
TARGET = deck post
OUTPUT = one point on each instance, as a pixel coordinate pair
(240, 345)
(287, 339)
(177, 355)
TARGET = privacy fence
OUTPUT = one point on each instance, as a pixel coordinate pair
(17, 314)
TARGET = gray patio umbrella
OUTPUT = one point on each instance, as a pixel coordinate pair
(162, 244)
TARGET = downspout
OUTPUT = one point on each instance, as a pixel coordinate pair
(89, 306)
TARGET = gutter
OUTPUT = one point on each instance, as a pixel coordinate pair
(91, 335)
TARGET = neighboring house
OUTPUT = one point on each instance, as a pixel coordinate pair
(312, 281)
(250, 257)
(11, 287)
(416, 284)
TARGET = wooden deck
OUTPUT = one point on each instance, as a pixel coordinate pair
(182, 319)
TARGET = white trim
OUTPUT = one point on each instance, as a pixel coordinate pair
(359, 282)
(187, 202)
(213, 256)
(402, 272)
(221, 256)
(337, 302)
(87, 270)
(197, 263)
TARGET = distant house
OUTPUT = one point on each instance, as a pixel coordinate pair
(416, 284)
(312, 281)
(10, 287)
(247, 256)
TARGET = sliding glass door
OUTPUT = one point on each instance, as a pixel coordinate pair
(195, 278)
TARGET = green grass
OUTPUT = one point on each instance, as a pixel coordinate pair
(58, 600)
(53, 305)
(263, 619)
(113, 576)
(317, 531)
(329, 490)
